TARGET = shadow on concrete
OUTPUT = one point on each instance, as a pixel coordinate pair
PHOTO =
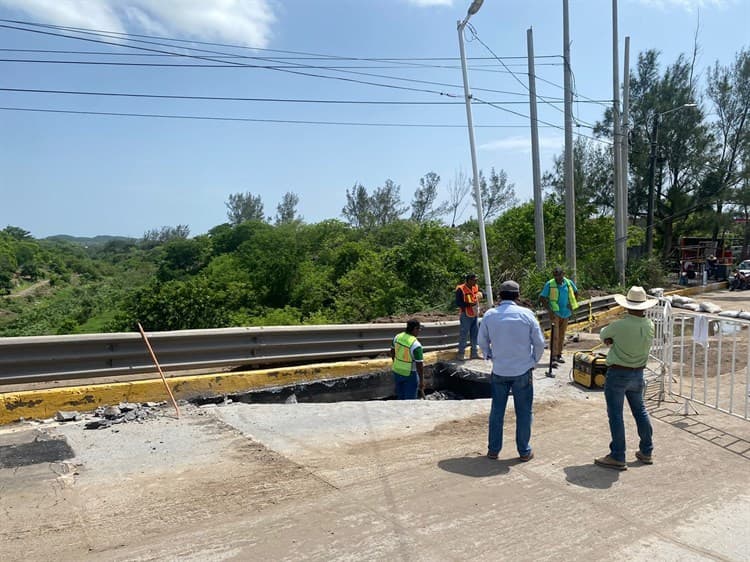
(477, 466)
(713, 434)
(591, 476)
(36, 452)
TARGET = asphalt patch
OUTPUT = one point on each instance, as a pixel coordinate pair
(36, 452)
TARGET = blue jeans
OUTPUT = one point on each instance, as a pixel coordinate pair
(470, 329)
(621, 384)
(406, 387)
(523, 398)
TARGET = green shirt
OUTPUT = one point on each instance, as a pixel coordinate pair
(631, 341)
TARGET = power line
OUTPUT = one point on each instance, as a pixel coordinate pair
(523, 84)
(232, 63)
(229, 63)
(307, 58)
(235, 98)
(245, 47)
(475, 68)
(252, 120)
(602, 141)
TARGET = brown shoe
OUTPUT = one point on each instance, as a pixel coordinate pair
(491, 455)
(526, 458)
(645, 459)
(609, 462)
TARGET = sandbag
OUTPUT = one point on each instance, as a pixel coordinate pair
(709, 307)
(730, 313)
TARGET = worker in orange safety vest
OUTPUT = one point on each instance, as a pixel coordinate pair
(468, 296)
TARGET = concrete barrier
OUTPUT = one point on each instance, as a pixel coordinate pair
(45, 403)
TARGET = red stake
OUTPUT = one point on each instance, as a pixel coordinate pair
(156, 362)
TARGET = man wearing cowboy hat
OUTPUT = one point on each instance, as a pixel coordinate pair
(630, 338)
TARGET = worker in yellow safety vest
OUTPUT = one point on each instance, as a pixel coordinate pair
(468, 296)
(559, 298)
(408, 362)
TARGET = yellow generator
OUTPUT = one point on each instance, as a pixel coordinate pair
(589, 369)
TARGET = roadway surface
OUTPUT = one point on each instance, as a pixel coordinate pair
(375, 481)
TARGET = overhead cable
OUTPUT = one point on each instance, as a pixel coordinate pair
(254, 120)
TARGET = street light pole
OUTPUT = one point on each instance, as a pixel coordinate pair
(652, 174)
(473, 9)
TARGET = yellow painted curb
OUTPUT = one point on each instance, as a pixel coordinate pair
(45, 403)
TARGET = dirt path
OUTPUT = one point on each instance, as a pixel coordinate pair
(30, 290)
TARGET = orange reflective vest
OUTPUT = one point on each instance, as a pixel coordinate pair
(470, 299)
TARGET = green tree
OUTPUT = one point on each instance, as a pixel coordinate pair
(243, 207)
(358, 209)
(157, 236)
(286, 210)
(423, 205)
(729, 90)
(497, 194)
(385, 203)
(183, 258)
(175, 305)
(17, 233)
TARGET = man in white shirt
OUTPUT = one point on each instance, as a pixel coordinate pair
(510, 335)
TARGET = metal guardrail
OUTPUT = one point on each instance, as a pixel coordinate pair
(48, 358)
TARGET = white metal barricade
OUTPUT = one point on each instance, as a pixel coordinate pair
(708, 361)
(657, 369)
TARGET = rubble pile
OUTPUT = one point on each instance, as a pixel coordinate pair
(107, 416)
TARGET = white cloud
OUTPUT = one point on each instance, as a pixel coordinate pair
(523, 144)
(247, 22)
(424, 3)
(688, 5)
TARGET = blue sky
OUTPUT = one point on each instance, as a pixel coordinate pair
(92, 174)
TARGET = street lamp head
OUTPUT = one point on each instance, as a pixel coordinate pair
(474, 8)
(683, 106)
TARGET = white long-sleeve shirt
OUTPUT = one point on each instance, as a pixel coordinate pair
(511, 335)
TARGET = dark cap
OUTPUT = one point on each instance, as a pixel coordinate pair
(412, 324)
(509, 287)
(471, 276)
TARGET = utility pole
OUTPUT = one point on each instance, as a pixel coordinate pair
(537, 175)
(625, 152)
(473, 9)
(651, 195)
(570, 192)
(616, 148)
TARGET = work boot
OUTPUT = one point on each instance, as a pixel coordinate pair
(645, 459)
(609, 462)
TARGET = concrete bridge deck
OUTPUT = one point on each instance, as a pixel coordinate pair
(374, 481)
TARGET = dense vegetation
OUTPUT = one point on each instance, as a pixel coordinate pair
(388, 258)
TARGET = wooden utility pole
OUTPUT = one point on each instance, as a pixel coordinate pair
(570, 192)
(625, 161)
(617, 150)
(535, 167)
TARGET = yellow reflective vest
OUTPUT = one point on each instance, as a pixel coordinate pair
(402, 358)
(553, 295)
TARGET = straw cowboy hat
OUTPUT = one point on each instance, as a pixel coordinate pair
(636, 299)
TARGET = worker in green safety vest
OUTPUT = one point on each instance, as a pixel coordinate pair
(408, 362)
(559, 298)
